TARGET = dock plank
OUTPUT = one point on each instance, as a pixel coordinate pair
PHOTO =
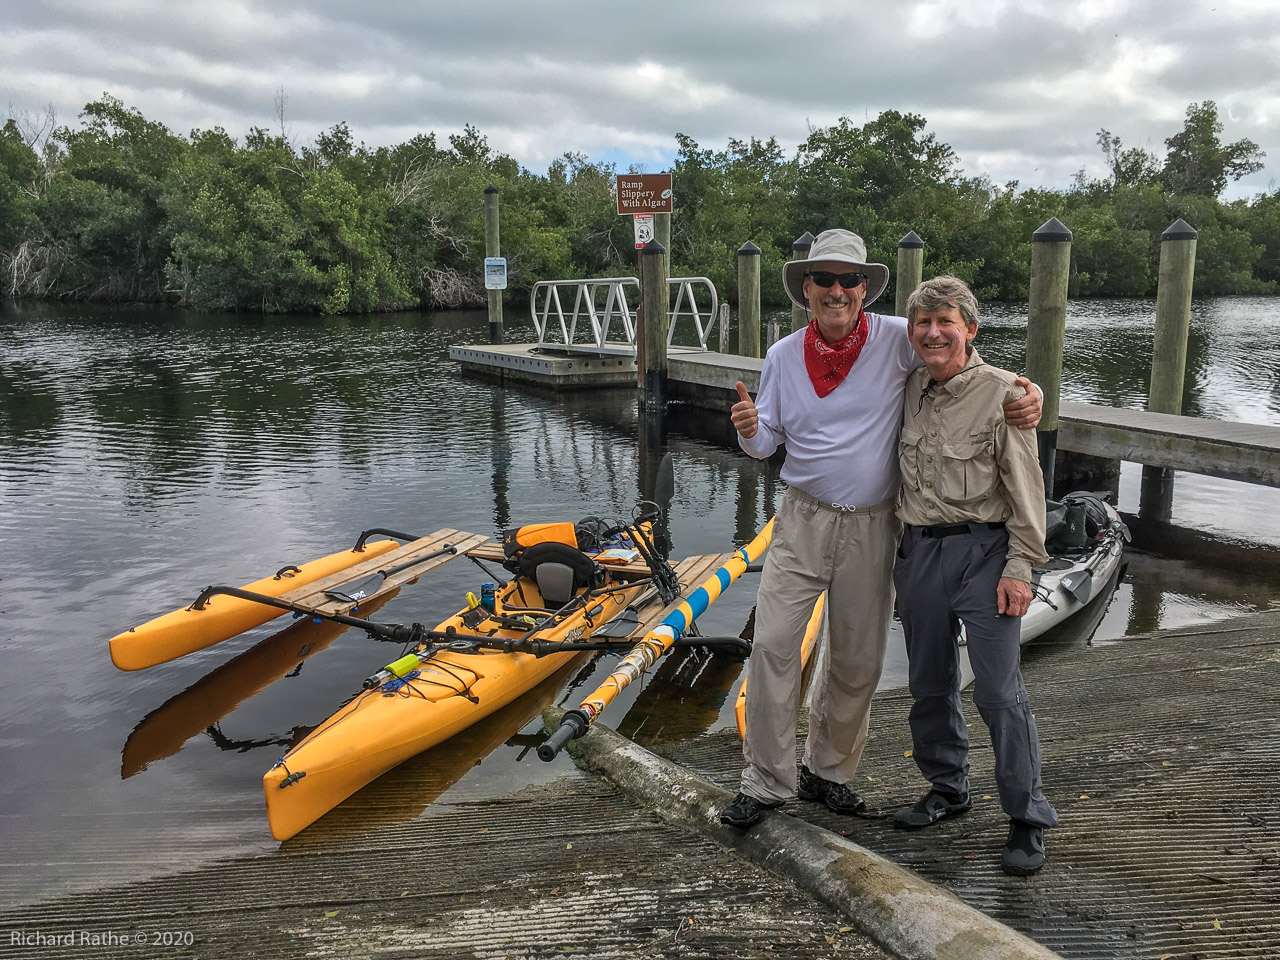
(1247, 452)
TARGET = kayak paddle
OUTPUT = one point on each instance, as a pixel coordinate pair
(1078, 583)
(625, 623)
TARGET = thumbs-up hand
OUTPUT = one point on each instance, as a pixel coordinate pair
(743, 413)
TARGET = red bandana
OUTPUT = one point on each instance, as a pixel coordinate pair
(828, 364)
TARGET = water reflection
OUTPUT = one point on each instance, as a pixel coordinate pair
(199, 708)
(685, 697)
(1232, 354)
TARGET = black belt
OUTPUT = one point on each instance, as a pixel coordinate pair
(955, 529)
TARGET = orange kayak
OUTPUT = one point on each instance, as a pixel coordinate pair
(440, 691)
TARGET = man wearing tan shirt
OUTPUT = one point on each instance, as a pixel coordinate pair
(973, 508)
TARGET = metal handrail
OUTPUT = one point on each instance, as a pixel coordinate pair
(586, 306)
(685, 294)
(585, 303)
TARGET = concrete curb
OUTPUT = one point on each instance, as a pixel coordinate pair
(901, 912)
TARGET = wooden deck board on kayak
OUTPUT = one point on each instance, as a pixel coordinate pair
(312, 595)
(492, 550)
(691, 571)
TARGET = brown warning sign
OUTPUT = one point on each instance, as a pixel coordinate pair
(644, 193)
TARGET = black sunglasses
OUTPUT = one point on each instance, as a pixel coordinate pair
(824, 278)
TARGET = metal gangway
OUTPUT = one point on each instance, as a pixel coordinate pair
(550, 318)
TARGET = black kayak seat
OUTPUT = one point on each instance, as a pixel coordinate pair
(558, 569)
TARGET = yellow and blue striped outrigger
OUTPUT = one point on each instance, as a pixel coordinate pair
(656, 642)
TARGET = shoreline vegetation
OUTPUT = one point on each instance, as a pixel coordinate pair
(121, 209)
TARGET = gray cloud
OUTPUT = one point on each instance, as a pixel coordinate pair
(1019, 88)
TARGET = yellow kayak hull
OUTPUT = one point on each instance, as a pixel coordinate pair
(377, 731)
(383, 727)
(810, 645)
(186, 630)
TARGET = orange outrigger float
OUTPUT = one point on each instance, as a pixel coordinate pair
(211, 619)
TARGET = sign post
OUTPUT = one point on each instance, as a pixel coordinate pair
(492, 250)
(644, 195)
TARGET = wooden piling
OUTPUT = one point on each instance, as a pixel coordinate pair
(653, 326)
(749, 300)
(1173, 318)
(662, 233)
(1046, 330)
(1169, 354)
(910, 270)
(800, 251)
(492, 248)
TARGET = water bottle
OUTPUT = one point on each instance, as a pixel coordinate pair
(488, 591)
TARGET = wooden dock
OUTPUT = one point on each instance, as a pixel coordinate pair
(1218, 448)
(1248, 452)
(1160, 753)
(555, 366)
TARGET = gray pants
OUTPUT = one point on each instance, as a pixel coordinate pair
(848, 553)
(941, 583)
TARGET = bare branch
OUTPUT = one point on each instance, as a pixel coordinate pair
(280, 101)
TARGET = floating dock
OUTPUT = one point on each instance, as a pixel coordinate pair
(555, 366)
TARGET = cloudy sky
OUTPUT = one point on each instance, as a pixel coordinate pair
(1019, 88)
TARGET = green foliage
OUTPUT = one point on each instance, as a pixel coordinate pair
(1262, 221)
(1225, 253)
(1199, 164)
(19, 168)
(104, 206)
(725, 199)
(1129, 167)
(121, 208)
(1108, 260)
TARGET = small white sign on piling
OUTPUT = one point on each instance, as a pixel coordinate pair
(495, 273)
(643, 223)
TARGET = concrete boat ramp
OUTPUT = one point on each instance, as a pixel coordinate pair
(1162, 754)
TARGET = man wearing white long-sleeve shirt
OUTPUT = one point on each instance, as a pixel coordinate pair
(833, 394)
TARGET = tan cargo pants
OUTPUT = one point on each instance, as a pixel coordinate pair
(849, 553)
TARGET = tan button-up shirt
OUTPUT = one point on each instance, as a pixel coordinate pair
(961, 461)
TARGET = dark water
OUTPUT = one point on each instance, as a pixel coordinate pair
(146, 453)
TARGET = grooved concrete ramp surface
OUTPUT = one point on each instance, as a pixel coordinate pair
(1162, 755)
(572, 869)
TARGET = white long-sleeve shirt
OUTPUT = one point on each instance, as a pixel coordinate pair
(841, 448)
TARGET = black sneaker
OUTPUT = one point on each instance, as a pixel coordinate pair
(839, 797)
(1024, 850)
(743, 811)
(931, 808)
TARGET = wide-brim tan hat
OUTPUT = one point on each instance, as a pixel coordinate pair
(838, 246)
